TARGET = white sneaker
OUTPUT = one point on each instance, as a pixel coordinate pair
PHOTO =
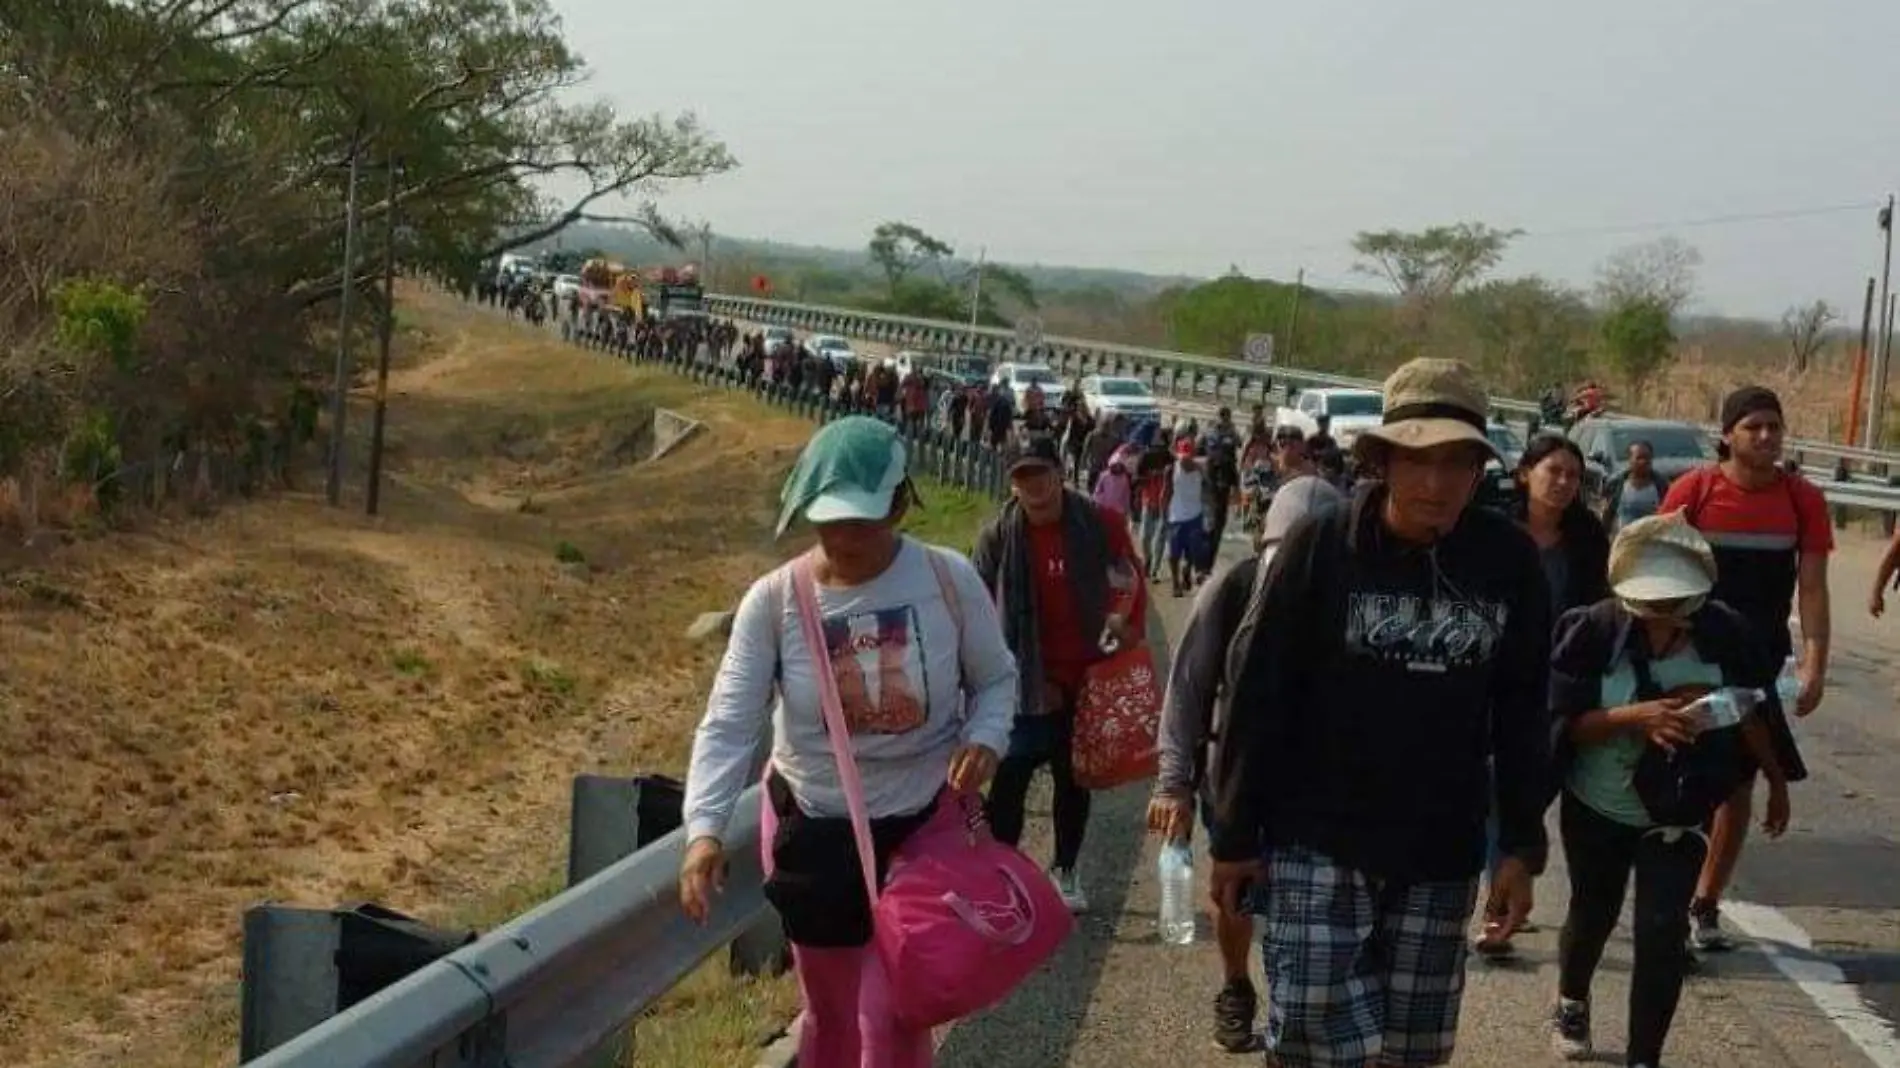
(1069, 885)
(1570, 1030)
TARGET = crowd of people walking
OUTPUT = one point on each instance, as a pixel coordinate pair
(1368, 718)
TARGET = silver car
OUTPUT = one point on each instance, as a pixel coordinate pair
(1677, 447)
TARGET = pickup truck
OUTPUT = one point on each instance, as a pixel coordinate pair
(1346, 412)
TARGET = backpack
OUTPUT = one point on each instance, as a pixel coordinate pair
(1706, 489)
(1234, 588)
(1684, 788)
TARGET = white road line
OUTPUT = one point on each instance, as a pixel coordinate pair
(1791, 951)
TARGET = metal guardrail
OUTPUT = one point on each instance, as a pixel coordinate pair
(1850, 477)
(562, 985)
(557, 987)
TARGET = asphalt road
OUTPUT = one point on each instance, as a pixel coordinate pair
(1824, 903)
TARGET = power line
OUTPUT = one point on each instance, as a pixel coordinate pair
(1710, 220)
(1533, 233)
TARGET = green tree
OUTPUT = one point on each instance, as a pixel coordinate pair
(927, 298)
(1214, 318)
(1639, 340)
(1528, 332)
(191, 151)
(99, 320)
(1012, 283)
(1006, 282)
(900, 250)
(1427, 266)
(822, 285)
(475, 97)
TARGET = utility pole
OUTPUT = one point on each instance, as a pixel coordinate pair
(1293, 317)
(1886, 355)
(976, 294)
(1877, 392)
(375, 495)
(340, 388)
(705, 254)
(1858, 393)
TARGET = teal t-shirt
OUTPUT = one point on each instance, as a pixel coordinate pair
(1603, 775)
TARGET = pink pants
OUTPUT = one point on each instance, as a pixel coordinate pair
(847, 1021)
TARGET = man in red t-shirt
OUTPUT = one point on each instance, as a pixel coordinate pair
(1771, 535)
(915, 393)
(1064, 571)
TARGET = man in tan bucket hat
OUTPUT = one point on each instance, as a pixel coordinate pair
(1406, 652)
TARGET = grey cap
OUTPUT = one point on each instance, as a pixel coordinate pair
(1294, 501)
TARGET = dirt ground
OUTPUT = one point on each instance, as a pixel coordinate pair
(293, 703)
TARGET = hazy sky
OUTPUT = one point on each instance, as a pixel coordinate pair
(1188, 136)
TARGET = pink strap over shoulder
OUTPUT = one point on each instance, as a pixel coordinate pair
(805, 590)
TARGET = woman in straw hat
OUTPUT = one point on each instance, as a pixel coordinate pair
(1642, 770)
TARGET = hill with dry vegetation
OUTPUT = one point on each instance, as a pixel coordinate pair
(284, 701)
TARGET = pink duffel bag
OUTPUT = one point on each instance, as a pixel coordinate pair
(963, 918)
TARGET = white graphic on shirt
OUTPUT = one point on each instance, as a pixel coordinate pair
(879, 670)
(1424, 635)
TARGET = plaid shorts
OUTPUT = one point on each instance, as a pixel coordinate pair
(1361, 968)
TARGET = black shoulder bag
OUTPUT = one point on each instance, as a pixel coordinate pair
(1683, 788)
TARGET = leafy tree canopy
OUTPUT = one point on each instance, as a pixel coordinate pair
(1639, 340)
(1528, 333)
(257, 103)
(899, 249)
(1428, 265)
(1214, 318)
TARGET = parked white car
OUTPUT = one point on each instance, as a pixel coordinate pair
(1018, 376)
(833, 348)
(1116, 395)
(1347, 412)
(567, 286)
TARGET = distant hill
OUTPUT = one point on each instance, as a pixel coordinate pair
(765, 256)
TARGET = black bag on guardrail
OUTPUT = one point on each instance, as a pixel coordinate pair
(376, 947)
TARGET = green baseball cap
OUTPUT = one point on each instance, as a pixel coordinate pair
(850, 470)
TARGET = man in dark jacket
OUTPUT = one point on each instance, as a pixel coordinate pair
(1407, 645)
(1066, 575)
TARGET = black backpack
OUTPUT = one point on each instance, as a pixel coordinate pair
(1684, 788)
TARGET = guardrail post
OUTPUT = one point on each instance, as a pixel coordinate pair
(303, 966)
(289, 976)
(615, 817)
(1843, 476)
(605, 825)
(1887, 478)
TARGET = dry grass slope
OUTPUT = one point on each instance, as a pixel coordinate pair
(292, 703)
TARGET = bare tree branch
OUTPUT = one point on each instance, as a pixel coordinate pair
(258, 29)
(1805, 327)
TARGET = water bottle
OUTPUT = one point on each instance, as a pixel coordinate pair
(1177, 894)
(1726, 707)
(1788, 683)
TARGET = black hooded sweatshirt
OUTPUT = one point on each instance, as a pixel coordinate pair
(1367, 701)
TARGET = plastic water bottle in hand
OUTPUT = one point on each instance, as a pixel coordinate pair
(1177, 893)
(1727, 707)
(1788, 683)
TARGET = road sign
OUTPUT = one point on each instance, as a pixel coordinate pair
(1029, 330)
(1259, 348)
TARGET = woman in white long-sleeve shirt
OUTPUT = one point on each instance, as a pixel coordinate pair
(928, 689)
